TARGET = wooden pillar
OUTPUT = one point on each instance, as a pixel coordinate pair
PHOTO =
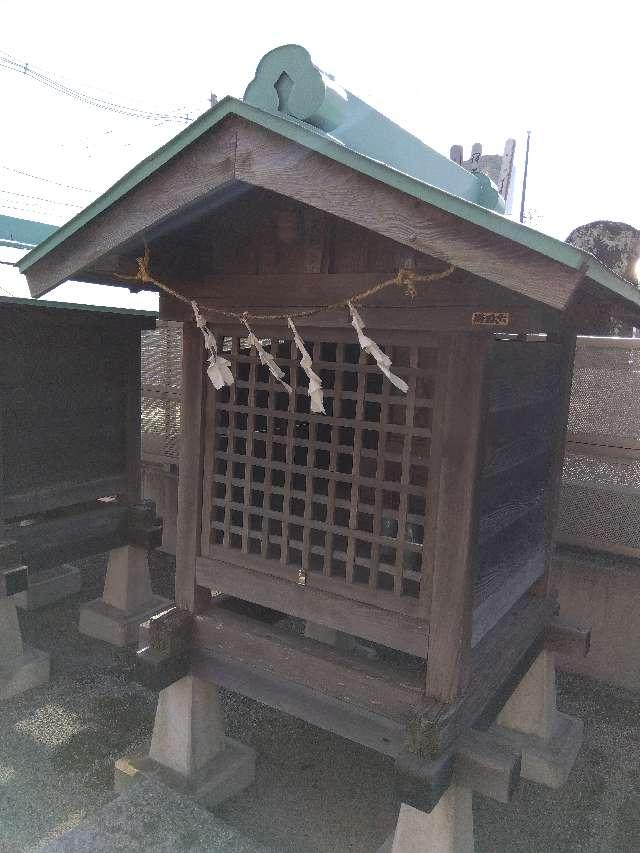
(459, 432)
(191, 466)
(134, 438)
(566, 340)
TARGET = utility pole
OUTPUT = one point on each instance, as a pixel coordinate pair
(213, 99)
(524, 179)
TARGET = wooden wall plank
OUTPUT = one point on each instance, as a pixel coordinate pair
(307, 602)
(456, 524)
(267, 160)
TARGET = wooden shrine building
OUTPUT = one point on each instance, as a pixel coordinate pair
(418, 514)
(69, 458)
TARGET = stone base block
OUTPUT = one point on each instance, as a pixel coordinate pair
(228, 773)
(118, 627)
(28, 670)
(548, 762)
(50, 586)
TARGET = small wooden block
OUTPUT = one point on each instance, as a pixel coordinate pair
(145, 527)
(13, 581)
(484, 762)
(167, 657)
(156, 671)
(487, 764)
(8, 555)
(568, 639)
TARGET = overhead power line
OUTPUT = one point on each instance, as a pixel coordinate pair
(39, 198)
(46, 180)
(9, 63)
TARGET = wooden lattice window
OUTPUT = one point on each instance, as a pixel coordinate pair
(337, 500)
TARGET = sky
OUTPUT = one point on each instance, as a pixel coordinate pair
(448, 72)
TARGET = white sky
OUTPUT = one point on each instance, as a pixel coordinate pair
(450, 73)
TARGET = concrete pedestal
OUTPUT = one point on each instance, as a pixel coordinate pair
(50, 586)
(189, 751)
(21, 666)
(446, 829)
(548, 740)
(126, 602)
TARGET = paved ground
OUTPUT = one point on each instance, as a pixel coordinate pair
(314, 792)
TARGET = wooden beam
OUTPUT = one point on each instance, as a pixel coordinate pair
(191, 466)
(456, 525)
(206, 165)
(372, 623)
(133, 424)
(444, 318)
(267, 160)
(481, 761)
(375, 686)
(498, 662)
(488, 765)
(567, 340)
(567, 639)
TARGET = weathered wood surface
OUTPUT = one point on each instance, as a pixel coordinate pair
(497, 663)
(567, 639)
(132, 425)
(483, 762)
(456, 518)
(185, 180)
(401, 632)
(333, 690)
(371, 730)
(191, 462)
(61, 536)
(566, 342)
(264, 159)
(66, 404)
(378, 687)
(42, 499)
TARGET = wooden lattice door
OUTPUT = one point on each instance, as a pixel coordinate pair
(342, 501)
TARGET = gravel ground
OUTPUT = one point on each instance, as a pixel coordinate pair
(314, 792)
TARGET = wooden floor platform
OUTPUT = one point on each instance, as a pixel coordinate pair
(376, 703)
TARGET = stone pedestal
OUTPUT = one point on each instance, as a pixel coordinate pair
(127, 599)
(21, 666)
(189, 751)
(50, 586)
(446, 829)
(530, 721)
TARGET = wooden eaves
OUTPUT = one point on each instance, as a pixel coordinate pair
(235, 146)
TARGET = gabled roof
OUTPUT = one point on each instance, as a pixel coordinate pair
(327, 144)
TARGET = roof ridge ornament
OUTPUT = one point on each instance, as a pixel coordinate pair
(288, 84)
(287, 81)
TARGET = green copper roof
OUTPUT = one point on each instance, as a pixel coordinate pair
(385, 168)
(23, 233)
(74, 306)
(287, 82)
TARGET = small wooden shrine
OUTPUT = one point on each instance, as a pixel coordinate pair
(376, 370)
(69, 456)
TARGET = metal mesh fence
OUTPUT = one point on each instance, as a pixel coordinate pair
(600, 502)
(161, 392)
